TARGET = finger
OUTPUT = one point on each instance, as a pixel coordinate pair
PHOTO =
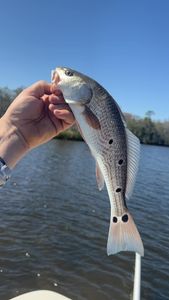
(38, 89)
(56, 99)
(64, 115)
(62, 112)
(45, 98)
(59, 106)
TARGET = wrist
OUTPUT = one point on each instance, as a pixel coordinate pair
(12, 144)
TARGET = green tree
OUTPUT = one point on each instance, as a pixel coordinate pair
(6, 97)
(148, 131)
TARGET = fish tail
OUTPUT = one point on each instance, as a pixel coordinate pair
(123, 235)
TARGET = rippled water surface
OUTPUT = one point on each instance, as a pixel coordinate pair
(54, 226)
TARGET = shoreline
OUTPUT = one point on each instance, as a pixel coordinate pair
(73, 134)
(70, 134)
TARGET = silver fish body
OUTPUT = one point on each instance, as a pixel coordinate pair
(114, 147)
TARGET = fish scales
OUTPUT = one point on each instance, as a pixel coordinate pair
(111, 128)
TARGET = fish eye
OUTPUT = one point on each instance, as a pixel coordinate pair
(68, 73)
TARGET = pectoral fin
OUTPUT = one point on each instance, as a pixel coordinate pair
(91, 118)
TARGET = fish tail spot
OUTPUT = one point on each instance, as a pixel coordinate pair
(115, 220)
(125, 218)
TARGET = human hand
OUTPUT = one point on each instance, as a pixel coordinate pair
(38, 114)
(33, 118)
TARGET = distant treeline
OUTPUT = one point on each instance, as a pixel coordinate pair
(6, 97)
(147, 130)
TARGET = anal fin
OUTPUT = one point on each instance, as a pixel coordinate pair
(99, 177)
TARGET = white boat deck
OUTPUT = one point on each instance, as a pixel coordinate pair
(41, 295)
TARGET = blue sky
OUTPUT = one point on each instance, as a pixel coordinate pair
(123, 44)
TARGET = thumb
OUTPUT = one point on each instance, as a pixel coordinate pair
(39, 88)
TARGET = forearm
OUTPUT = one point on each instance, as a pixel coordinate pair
(12, 144)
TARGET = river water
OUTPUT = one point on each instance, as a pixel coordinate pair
(54, 227)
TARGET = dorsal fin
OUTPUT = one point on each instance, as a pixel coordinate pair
(133, 155)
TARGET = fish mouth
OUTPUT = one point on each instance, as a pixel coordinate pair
(55, 78)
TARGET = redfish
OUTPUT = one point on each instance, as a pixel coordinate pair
(114, 147)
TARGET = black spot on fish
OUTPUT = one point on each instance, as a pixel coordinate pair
(115, 220)
(125, 218)
(118, 190)
(111, 141)
(68, 73)
(120, 162)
